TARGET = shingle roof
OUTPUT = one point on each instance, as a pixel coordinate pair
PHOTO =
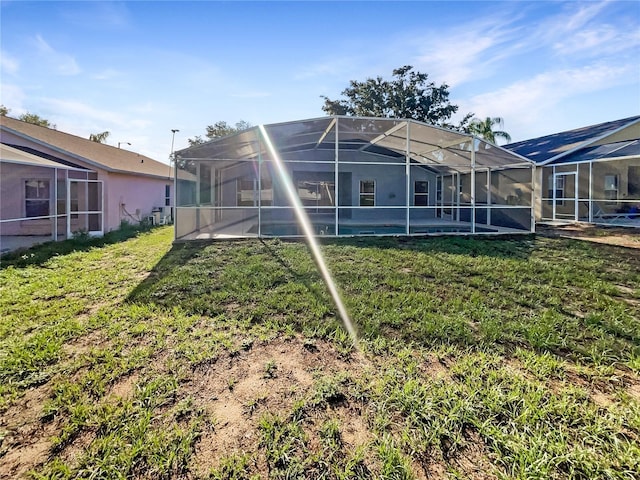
(625, 148)
(95, 154)
(545, 148)
(17, 155)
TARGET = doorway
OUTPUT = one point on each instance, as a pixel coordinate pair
(565, 199)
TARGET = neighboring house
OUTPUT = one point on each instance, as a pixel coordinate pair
(353, 176)
(53, 184)
(591, 174)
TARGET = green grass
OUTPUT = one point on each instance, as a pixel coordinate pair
(513, 357)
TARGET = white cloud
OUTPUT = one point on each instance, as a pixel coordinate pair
(251, 94)
(62, 63)
(585, 13)
(8, 64)
(535, 100)
(132, 124)
(107, 74)
(100, 15)
(587, 29)
(14, 97)
(336, 66)
(482, 47)
(76, 109)
(467, 52)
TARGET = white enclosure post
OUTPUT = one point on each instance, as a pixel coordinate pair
(336, 194)
(457, 194)
(590, 192)
(576, 195)
(534, 200)
(407, 169)
(68, 199)
(55, 204)
(174, 210)
(101, 184)
(473, 184)
(488, 196)
(260, 185)
(198, 188)
(553, 192)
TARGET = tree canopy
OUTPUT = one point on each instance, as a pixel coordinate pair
(4, 111)
(217, 130)
(36, 120)
(99, 137)
(484, 129)
(409, 95)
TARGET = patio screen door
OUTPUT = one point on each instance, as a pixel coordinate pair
(85, 212)
(565, 199)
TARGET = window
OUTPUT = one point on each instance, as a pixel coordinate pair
(559, 189)
(421, 193)
(74, 206)
(611, 188)
(315, 189)
(167, 195)
(247, 192)
(367, 193)
(205, 185)
(438, 190)
(246, 189)
(36, 198)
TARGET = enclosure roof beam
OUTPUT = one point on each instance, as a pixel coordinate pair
(384, 135)
(326, 132)
(446, 145)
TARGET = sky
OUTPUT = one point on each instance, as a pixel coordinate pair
(140, 69)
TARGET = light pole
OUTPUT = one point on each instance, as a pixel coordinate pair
(173, 137)
(120, 143)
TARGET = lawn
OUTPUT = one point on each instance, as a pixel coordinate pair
(478, 358)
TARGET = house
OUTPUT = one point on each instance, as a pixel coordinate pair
(352, 176)
(591, 174)
(53, 184)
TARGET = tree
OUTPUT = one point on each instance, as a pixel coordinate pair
(219, 129)
(4, 111)
(484, 129)
(409, 95)
(36, 120)
(99, 137)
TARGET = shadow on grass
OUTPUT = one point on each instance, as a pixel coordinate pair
(191, 271)
(39, 254)
(511, 246)
(275, 282)
(181, 254)
(277, 279)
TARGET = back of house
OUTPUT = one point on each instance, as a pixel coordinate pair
(53, 184)
(590, 174)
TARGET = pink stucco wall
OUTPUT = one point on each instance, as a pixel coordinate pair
(137, 192)
(140, 194)
(12, 199)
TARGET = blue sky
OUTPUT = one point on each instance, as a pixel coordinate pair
(140, 69)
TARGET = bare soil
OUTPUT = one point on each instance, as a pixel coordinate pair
(236, 389)
(619, 236)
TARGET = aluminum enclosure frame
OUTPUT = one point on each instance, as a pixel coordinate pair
(419, 180)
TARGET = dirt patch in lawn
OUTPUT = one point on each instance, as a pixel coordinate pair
(26, 441)
(619, 236)
(265, 377)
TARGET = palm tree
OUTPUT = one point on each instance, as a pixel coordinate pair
(484, 129)
(99, 137)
